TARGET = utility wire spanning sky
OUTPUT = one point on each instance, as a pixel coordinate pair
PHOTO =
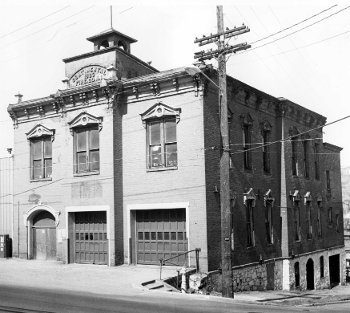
(300, 49)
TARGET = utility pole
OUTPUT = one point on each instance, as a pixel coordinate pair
(225, 205)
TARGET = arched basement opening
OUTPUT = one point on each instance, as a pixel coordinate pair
(310, 274)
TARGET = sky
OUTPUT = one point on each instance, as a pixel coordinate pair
(307, 63)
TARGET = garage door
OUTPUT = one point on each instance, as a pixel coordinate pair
(161, 234)
(90, 242)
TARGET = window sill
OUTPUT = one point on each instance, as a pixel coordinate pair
(162, 169)
(41, 179)
(85, 174)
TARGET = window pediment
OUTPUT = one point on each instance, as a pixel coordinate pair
(265, 126)
(85, 119)
(39, 131)
(249, 195)
(295, 196)
(268, 197)
(293, 131)
(307, 197)
(246, 119)
(160, 110)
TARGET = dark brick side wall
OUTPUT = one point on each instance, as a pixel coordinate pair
(333, 198)
(241, 180)
(212, 176)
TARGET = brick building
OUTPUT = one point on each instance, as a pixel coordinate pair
(123, 167)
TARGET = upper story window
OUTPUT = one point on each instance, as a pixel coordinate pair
(295, 156)
(266, 133)
(306, 157)
(296, 208)
(317, 161)
(249, 202)
(268, 204)
(328, 182)
(294, 141)
(330, 216)
(319, 220)
(247, 123)
(161, 136)
(86, 143)
(308, 201)
(40, 139)
(337, 221)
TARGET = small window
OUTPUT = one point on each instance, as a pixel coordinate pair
(250, 223)
(268, 222)
(295, 156)
(297, 230)
(41, 157)
(266, 151)
(309, 219)
(306, 158)
(162, 143)
(328, 182)
(337, 223)
(319, 222)
(321, 267)
(246, 147)
(330, 216)
(317, 162)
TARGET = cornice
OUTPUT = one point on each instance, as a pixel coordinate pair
(65, 100)
(300, 115)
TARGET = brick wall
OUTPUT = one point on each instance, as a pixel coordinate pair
(64, 189)
(186, 184)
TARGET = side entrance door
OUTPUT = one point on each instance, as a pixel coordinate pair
(44, 236)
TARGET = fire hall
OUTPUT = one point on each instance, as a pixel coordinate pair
(122, 166)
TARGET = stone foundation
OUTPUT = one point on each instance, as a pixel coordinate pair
(319, 282)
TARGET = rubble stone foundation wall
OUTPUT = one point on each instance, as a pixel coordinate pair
(250, 278)
(319, 282)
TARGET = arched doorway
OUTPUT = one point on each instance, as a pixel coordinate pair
(296, 275)
(310, 274)
(44, 236)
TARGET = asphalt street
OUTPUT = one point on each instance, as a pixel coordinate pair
(40, 300)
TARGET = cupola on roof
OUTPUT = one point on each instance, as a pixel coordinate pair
(111, 38)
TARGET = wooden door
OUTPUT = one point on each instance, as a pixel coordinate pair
(44, 243)
(161, 234)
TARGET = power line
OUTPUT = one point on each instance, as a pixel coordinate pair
(303, 28)
(296, 24)
(34, 22)
(42, 29)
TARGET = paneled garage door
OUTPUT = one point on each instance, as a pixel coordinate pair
(161, 234)
(90, 243)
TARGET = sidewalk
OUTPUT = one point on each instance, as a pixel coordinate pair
(100, 279)
(297, 298)
(126, 280)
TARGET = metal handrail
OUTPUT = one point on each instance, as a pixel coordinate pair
(162, 261)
